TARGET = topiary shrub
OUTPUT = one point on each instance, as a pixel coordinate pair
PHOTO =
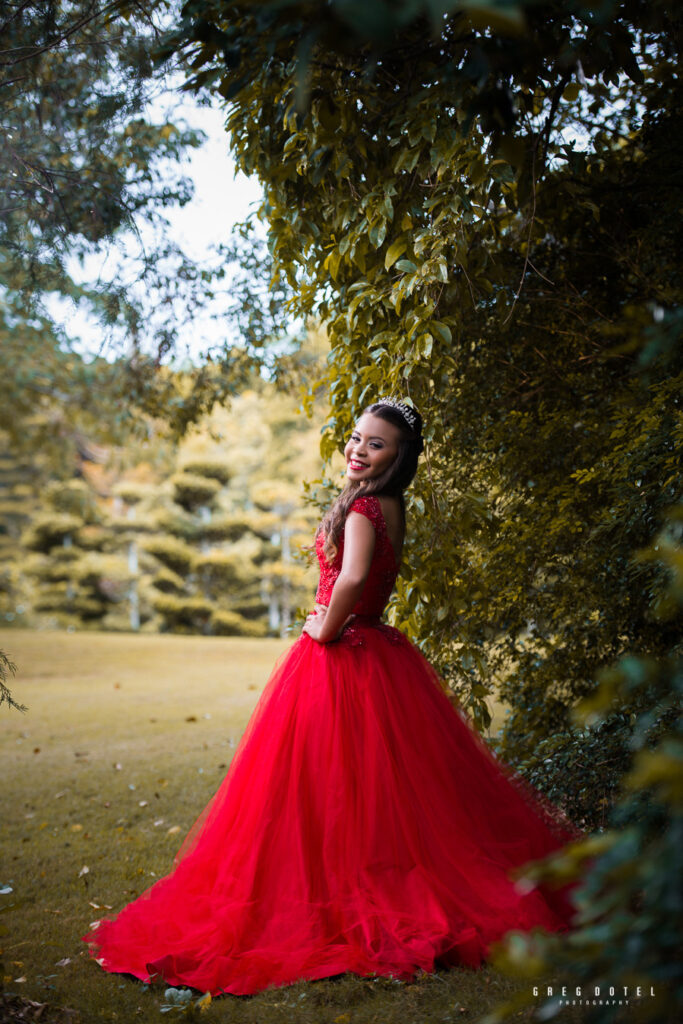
(254, 609)
(219, 570)
(173, 553)
(183, 614)
(226, 528)
(48, 530)
(74, 497)
(228, 623)
(212, 469)
(192, 491)
(168, 582)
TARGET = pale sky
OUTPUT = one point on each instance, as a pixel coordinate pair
(221, 199)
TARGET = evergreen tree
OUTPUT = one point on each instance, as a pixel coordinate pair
(78, 575)
(19, 500)
(90, 162)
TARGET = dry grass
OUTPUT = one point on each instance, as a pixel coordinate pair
(125, 739)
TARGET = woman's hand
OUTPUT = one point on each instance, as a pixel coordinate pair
(314, 625)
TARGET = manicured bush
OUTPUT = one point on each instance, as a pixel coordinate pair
(230, 623)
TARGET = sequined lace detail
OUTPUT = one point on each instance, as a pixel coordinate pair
(383, 570)
(354, 635)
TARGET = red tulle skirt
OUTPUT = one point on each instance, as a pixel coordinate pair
(363, 825)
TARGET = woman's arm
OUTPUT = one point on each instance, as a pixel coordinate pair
(359, 545)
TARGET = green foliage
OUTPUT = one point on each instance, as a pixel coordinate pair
(222, 569)
(48, 530)
(183, 1002)
(211, 468)
(73, 497)
(424, 201)
(175, 554)
(582, 770)
(88, 174)
(182, 613)
(7, 668)
(168, 582)
(192, 490)
(628, 925)
(131, 492)
(483, 209)
(176, 521)
(231, 623)
(225, 528)
(76, 573)
(251, 609)
(141, 523)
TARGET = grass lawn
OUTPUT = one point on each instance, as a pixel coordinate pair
(125, 739)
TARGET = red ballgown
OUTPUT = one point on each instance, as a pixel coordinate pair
(363, 825)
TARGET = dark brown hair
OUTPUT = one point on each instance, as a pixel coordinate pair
(393, 481)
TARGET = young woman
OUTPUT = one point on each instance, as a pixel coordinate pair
(363, 824)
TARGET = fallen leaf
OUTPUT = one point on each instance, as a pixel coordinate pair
(118, 766)
(36, 750)
(64, 962)
(143, 803)
(85, 870)
(191, 718)
(158, 822)
(173, 830)
(20, 981)
(76, 828)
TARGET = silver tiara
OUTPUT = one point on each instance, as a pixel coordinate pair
(405, 410)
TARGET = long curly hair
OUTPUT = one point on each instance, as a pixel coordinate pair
(393, 481)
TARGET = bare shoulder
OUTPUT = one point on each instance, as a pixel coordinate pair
(391, 510)
(391, 506)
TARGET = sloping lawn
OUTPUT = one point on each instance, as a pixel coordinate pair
(124, 741)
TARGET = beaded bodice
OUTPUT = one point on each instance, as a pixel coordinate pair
(383, 569)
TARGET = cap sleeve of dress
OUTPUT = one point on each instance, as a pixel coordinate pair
(369, 507)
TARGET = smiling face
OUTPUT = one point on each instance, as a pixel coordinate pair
(372, 448)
